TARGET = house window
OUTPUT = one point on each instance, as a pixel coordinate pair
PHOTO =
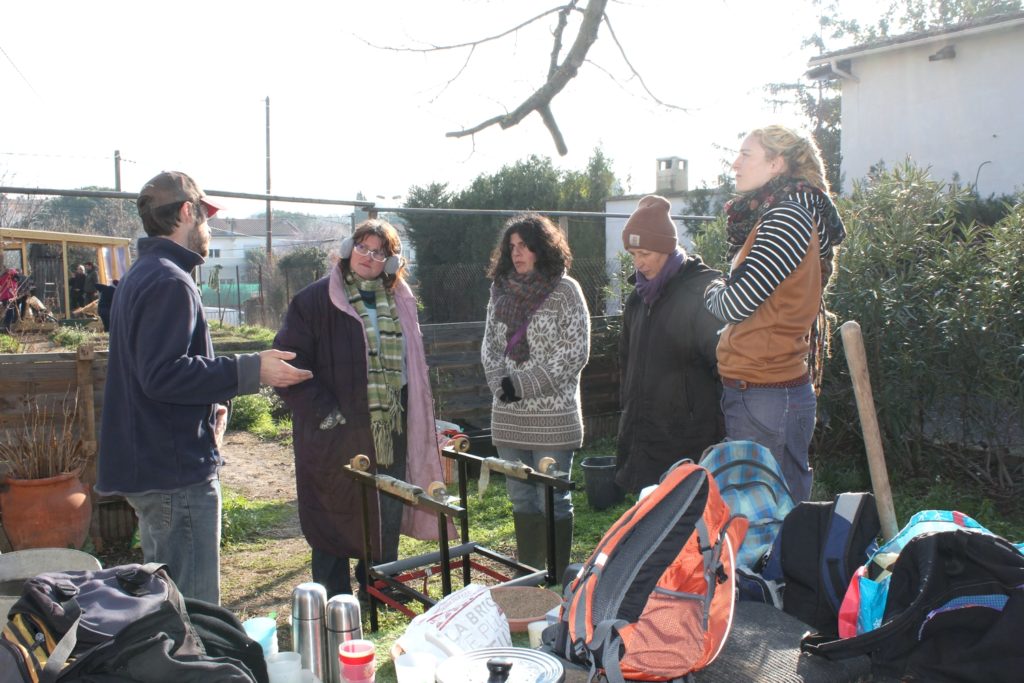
(215, 253)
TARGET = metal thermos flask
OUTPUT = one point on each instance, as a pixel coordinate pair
(343, 623)
(309, 601)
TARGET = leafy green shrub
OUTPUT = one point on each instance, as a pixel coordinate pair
(940, 305)
(248, 411)
(712, 245)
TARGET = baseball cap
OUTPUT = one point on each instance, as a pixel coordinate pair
(173, 187)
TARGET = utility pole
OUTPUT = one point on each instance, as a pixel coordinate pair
(270, 253)
(117, 170)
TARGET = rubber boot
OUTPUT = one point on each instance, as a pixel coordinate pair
(530, 539)
(563, 545)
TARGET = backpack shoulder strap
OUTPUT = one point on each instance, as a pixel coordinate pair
(606, 645)
(62, 650)
(842, 521)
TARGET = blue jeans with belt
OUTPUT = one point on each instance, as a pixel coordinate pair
(181, 529)
(781, 420)
(528, 498)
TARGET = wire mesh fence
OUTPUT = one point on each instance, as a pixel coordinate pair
(241, 283)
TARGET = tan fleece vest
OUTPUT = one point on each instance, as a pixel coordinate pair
(772, 344)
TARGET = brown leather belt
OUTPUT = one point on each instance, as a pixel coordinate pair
(743, 385)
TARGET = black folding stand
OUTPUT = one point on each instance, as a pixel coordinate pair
(398, 575)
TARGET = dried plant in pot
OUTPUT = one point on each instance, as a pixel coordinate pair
(43, 502)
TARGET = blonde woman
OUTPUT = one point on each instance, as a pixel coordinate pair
(782, 231)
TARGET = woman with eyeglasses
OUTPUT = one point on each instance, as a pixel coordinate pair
(536, 342)
(357, 330)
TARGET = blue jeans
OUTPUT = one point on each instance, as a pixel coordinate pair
(181, 529)
(528, 498)
(781, 420)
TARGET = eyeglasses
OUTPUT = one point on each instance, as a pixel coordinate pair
(377, 255)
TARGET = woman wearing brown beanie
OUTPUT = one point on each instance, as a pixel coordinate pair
(669, 385)
(782, 230)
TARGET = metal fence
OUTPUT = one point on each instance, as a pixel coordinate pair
(258, 293)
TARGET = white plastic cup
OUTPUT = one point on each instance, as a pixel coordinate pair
(415, 667)
(536, 629)
(285, 667)
(264, 631)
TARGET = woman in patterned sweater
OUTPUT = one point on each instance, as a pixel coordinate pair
(536, 342)
(782, 232)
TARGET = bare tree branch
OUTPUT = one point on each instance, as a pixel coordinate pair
(640, 78)
(559, 74)
(472, 43)
(556, 50)
(552, 126)
(453, 78)
(540, 100)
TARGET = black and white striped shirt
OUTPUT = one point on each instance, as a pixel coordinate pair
(780, 245)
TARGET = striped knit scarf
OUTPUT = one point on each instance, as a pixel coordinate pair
(384, 376)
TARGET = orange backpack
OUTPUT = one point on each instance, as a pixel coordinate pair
(655, 600)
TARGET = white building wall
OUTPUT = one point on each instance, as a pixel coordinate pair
(960, 115)
(232, 252)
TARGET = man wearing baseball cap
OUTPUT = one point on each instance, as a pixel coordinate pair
(669, 381)
(163, 417)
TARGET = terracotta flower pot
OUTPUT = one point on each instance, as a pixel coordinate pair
(46, 513)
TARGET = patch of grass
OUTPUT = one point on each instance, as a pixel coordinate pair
(264, 427)
(256, 333)
(944, 493)
(247, 521)
(942, 490)
(9, 344)
(68, 337)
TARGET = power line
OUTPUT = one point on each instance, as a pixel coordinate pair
(63, 156)
(18, 71)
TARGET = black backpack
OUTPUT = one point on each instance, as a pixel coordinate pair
(126, 623)
(954, 612)
(223, 635)
(816, 553)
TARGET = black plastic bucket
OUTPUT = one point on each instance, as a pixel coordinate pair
(599, 478)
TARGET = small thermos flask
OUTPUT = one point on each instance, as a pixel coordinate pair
(343, 623)
(309, 601)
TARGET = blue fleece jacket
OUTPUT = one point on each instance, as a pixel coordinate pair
(163, 380)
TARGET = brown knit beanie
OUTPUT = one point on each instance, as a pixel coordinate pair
(650, 226)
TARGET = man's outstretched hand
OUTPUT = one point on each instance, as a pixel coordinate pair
(277, 373)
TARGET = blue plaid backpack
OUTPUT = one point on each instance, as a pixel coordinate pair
(752, 485)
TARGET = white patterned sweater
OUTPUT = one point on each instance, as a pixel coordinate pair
(549, 416)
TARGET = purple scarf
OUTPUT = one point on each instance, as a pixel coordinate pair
(650, 290)
(516, 298)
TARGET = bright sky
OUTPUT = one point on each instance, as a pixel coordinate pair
(186, 90)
